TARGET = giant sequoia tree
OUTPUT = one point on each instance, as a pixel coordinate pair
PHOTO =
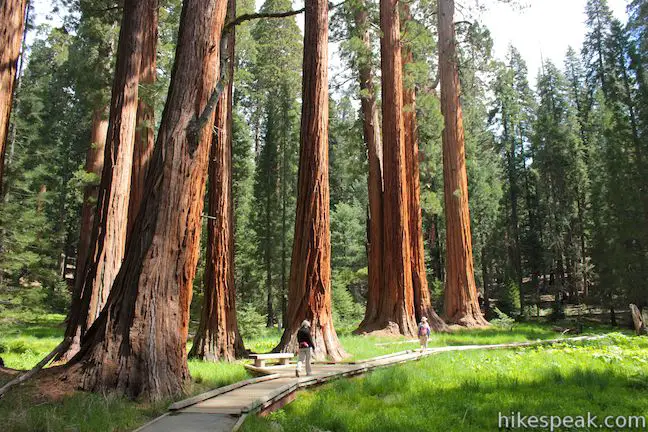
(396, 297)
(108, 239)
(309, 295)
(145, 129)
(422, 301)
(94, 165)
(137, 346)
(12, 26)
(218, 334)
(371, 130)
(460, 301)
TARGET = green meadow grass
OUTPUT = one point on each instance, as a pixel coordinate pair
(466, 391)
(26, 337)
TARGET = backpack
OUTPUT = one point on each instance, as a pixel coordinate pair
(423, 330)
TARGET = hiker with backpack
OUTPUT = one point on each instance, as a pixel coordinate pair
(305, 342)
(424, 333)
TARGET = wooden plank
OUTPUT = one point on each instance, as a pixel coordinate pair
(276, 393)
(239, 423)
(218, 391)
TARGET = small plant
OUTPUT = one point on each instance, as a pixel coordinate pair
(502, 321)
(557, 311)
(509, 299)
(18, 347)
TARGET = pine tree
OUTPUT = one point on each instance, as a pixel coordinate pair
(276, 69)
(559, 161)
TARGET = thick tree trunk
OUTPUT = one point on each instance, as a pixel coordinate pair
(371, 130)
(137, 347)
(108, 242)
(422, 301)
(94, 164)
(12, 26)
(218, 336)
(145, 129)
(397, 299)
(310, 273)
(107, 238)
(460, 301)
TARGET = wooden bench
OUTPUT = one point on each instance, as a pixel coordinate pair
(260, 359)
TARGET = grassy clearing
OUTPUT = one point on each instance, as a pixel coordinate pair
(25, 337)
(466, 391)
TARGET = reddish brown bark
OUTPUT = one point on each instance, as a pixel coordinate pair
(145, 129)
(371, 130)
(422, 301)
(12, 26)
(94, 164)
(309, 290)
(137, 347)
(218, 336)
(460, 301)
(108, 240)
(397, 300)
(109, 231)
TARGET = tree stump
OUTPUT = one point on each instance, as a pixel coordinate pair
(638, 320)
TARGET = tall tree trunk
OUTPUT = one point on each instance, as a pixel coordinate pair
(371, 130)
(94, 164)
(12, 26)
(461, 302)
(397, 299)
(310, 273)
(218, 336)
(145, 129)
(137, 347)
(515, 224)
(268, 265)
(108, 240)
(422, 301)
(18, 83)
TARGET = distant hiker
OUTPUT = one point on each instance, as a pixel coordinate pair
(424, 333)
(306, 344)
(1, 362)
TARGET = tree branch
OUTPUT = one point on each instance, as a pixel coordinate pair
(249, 17)
(259, 15)
(196, 126)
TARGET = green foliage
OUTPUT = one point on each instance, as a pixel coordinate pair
(273, 114)
(502, 321)
(347, 312)
(509, 298)
(251, 322)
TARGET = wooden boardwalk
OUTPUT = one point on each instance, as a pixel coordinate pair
(224, 409)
